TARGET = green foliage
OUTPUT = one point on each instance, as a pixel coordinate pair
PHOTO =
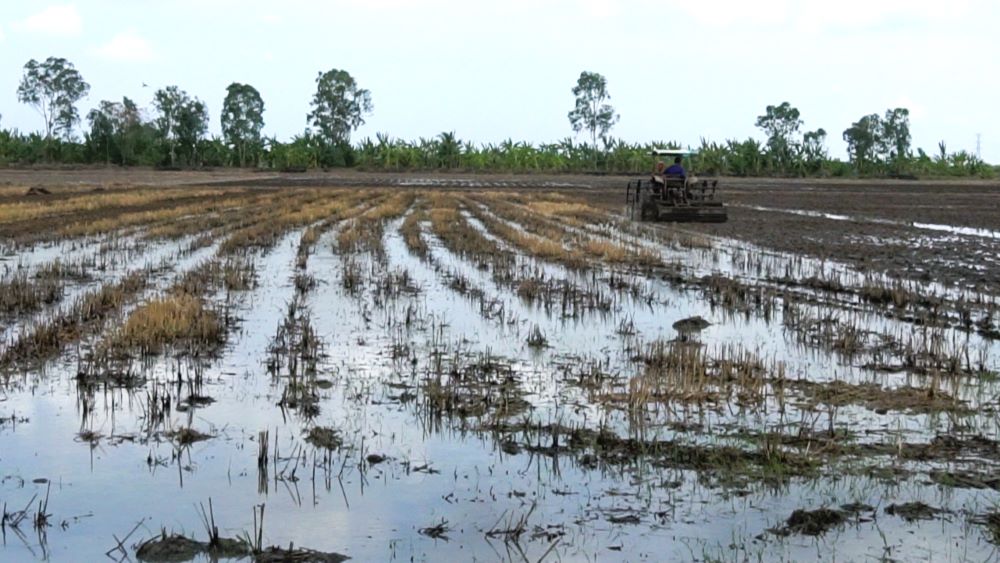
(959, 164)
(781, 123)
(785, 153)
(242, 121)
(291, 156)
(181, 123)
(591, 112)
(813, 153)
(118, 134)
(863, 140)
(339, 106)
(53, 87)
(879, 146)
(102, 130)
(896, 139)
(214, 152)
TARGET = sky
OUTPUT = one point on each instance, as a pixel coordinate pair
(492, 70)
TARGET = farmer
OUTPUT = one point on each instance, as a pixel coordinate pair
(676, 169)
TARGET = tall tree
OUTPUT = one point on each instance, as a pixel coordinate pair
(102, 138)
(592, 112)
(896, 137)
(339, 105)
(181, 123)
(242, 119)
(814, 150)
(116, 130)
(781, 123)
(53, 87)
(131, 131)
(864, 141)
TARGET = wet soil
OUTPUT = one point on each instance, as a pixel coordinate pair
(455, 367)
(875, 229)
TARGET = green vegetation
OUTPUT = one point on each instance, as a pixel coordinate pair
(181, 122)
(591, 111)
(242, 121)
(339, 106)
(176, 135)
(786, 154)
(53, 87)
(880, 145)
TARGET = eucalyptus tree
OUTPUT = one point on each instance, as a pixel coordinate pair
(896, 138)
(134, 134)
(592, 111)
(877, 143)
(102, 138)
(864, 142)
(813, 152)
(781, 123)
(116, 130)
(53, 87)
(181, 122)
(339, 105)
(242, 120)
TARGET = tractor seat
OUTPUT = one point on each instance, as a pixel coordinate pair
(674, 181)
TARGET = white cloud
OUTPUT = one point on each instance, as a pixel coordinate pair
(57, 21)
(127, 46)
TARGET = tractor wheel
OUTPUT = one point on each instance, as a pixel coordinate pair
(649, 212)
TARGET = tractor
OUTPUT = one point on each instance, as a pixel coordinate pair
(662, 197)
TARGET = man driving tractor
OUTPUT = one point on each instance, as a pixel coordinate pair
(675, 172)
(673, 194)
(676, 169)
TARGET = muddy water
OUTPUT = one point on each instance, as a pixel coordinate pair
(448, 472)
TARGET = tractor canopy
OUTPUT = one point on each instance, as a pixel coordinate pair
(672, 152)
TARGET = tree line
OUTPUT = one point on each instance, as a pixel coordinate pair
(174, 133)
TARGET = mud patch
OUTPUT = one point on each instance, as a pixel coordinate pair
(812, 522)
(187, 436)
(878, 398)
(169, 548)
(175, 548)
(324, 438)
(297, 555)
(914, 511)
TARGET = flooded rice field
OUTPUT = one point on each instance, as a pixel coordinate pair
(440, 371)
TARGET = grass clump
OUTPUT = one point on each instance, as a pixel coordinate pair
(23, 295)
(169, 321)
(814, 522)
(323, 437)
